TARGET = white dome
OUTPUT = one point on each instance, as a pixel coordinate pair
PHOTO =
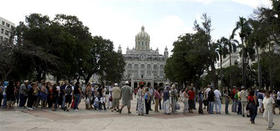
(142, 35)
(142, 40)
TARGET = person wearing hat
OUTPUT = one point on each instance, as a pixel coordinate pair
(126, 95)
(116, 94)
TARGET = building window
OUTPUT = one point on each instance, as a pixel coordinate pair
(149, 73)
(161, 67)
(136, 74)
(3, 23)
(129, 66)
(155, 67)
(136, 66)
(8, 25)
(142, 73)
(161, 74)
(6, 32)
(2, 31)
(142, 66)
(1, 37)
(149, 67)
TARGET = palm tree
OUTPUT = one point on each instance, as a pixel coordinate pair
(244, 31)
(224, 48)
(230, 47)
(258, 39)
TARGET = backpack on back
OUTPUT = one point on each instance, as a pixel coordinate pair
(68, 90)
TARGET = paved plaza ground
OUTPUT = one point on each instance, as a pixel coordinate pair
(84, 120)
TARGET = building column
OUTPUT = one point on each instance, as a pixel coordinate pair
(132, 84)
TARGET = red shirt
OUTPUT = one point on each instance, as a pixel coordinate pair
(251, 98)
(191, 95)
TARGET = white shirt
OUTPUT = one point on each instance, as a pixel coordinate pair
(268, 103)
(207, 91)
(244, 95)
(217, 94)
(278, 95)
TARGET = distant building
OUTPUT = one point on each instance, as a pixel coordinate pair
(143, 63)
(235, 59)
(5, 29)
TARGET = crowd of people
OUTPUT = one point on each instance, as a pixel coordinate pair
(68, 95)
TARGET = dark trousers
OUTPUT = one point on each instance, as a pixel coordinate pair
(1, 97)
(159, 104)
(226, 106)
(77, 100)
(49, 101)
(253, 109)
(253, 116)
(147, 105)
(17, 98)
(30, 101)
(22, 100)
(239, 109)
(200, 110)
(102, 105)
(150, 104)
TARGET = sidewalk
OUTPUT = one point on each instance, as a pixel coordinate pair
(84, 120)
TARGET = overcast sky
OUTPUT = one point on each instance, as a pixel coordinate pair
(121, 20)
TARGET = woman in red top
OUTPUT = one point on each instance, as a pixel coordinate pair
(157, 97)
(191, 100)
(252, 106)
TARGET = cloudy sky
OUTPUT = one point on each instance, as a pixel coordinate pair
(121, 20)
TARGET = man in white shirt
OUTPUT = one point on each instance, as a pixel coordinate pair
(218, 104)
(278, 100)
(268, 103)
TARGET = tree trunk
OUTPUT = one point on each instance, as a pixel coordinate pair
(230, 81)
(243, 65)
(259, 70)
(88, 77)
(213, 75)
(270, 68)
(221, 70)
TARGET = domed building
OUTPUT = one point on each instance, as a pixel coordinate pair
(143, 63)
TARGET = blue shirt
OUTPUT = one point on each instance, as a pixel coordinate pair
(165, 95)
(146, 96)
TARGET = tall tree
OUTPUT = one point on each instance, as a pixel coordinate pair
(270, 18)
(244, 31)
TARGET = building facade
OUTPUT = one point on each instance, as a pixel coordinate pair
(143, 63)
(235, 60)
(5, 29)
